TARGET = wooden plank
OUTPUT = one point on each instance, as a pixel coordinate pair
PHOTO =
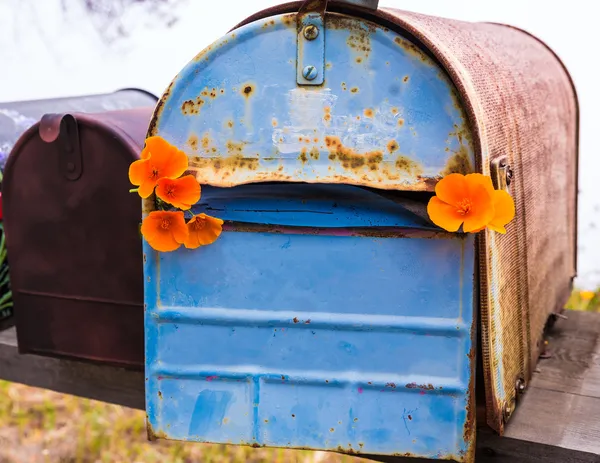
(113, 385)
(557, 418)
(562, 405)
(574, 365)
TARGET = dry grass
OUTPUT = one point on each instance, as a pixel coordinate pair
(46, 427)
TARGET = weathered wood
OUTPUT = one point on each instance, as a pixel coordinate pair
(557, 419)
(562, 406)
(112, 385)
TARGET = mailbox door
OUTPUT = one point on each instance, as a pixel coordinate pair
(326, 316)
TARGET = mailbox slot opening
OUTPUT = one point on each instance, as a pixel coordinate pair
(320, 206)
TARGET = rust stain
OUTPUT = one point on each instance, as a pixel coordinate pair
(274, 122)
(230, 124)
(225, 420)
(426, 387)
(392, 385)
(193, 142)
(328, 66)
(349, 158)
(289, 20)
(400, 122)
(394, 110)
(228, 164)
(206, 142)
(392, 146)
(368, 112)
(160, 395)
(303, 157)
(409, 166)
(314, 153)
(191, 107)
(405, 79)
(154, 435)
(413, 50)
(158, 110)
(344, 88)
(247, 90)
(459, 162)
(359, 59)
(202, 54)
(354, 89)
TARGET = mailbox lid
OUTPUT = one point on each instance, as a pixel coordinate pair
(72, 233)
(348, 325)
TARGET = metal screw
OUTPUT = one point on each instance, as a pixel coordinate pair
(520, 386)
(311, 32)
(70, 166)
(509, 175)
(507, 411)
(310, 72)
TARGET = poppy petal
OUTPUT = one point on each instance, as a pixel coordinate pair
(181, 192)
(203, 229)
(138, 172)
(484, 180)
(164, 230)
(146, 188)
(180, 230)
(482, 208)
(504, 207)
(444, 215)
(167, 159)
(452, 189)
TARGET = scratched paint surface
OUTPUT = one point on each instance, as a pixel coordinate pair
(386, 115)
(317, 340)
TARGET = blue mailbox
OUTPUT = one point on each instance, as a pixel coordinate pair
(331, 313)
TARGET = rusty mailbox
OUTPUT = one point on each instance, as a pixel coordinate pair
(331, 313)
(73, 239)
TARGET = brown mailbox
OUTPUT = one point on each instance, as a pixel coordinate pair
(72, 235)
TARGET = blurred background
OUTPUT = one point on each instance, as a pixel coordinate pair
(56, 48)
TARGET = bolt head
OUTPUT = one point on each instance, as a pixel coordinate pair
(311, 32)
(310, 72)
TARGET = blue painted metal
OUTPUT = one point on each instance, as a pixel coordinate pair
(325, 316)
(385, 117)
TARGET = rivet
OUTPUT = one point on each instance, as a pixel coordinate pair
(311, 32)
(70, 166)
(507, 411)
(520, 386)
(310, 72)
(509, 175)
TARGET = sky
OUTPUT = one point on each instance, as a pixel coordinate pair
(49, 51)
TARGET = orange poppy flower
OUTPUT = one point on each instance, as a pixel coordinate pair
(158, 159)
(470, 200)
(165, 231)
(202, 230)
(462, 200)
(180, 192)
